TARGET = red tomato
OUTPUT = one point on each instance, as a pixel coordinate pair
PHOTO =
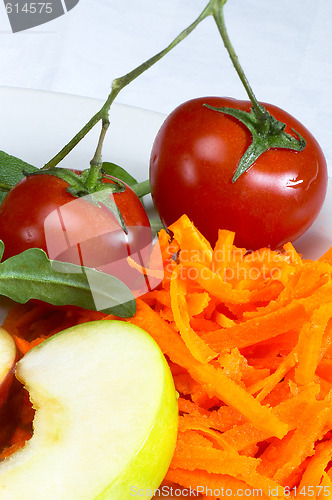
(194, 158)
(39, 212)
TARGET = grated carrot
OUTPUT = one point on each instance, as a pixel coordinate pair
(248, 338)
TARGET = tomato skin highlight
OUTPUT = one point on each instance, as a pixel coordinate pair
(39, 213)
(194, 158)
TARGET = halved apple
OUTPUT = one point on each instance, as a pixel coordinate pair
(106, 417)
(7, 363)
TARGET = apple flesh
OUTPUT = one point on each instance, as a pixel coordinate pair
(7, 363)
(106, 417)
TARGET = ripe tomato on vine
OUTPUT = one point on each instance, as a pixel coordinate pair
(193, 162)
(39, 212)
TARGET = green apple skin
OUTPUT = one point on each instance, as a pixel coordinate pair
(106, 417)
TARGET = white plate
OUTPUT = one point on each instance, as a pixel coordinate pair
(36, 125)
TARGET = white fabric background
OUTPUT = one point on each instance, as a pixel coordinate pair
(285, 48)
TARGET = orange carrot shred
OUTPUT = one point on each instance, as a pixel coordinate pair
(194, 247)
(154, 273)
(22, 345)
(310, 344)
(200, 350)
(317, 465)
(258, 329)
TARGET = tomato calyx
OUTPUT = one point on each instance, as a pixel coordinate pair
(99, 194)
(266, 133)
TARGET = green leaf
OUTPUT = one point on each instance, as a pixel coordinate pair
(11, 170)
(31, 275)
(118, 172)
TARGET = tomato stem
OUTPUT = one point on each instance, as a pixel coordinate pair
(214, 8)
(218, 15)
(97, 159)
(94, 175)
(265, 123)
(119, 83)
(142, 188)
(267, 132)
